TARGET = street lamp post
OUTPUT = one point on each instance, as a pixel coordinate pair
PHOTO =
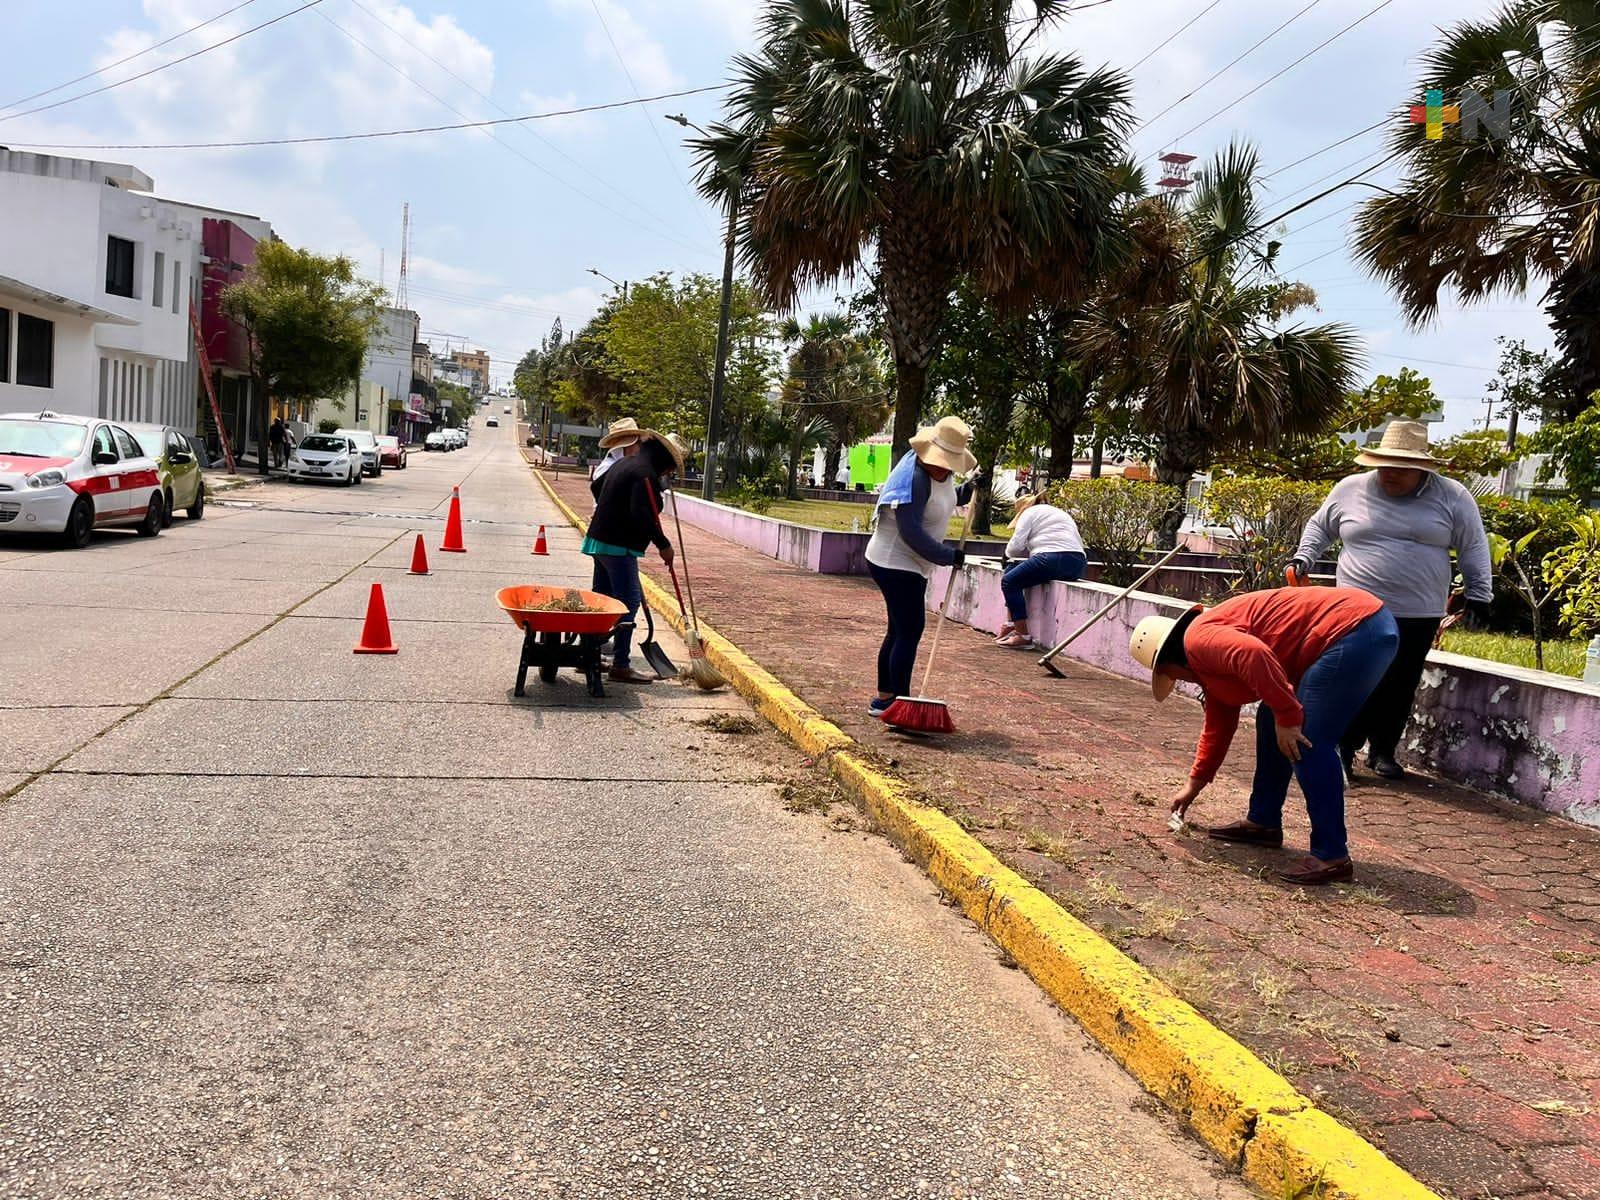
(708, 489)
(623, 285)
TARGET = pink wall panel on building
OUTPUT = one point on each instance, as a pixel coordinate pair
(230, 250)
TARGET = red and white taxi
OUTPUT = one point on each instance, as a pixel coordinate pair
(70, 475)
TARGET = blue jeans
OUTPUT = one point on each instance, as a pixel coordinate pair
(905, 595)
(1332, 693)
(617, 576)
(1064, 565)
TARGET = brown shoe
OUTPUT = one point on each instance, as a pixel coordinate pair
(1244, 831)
(628, 675)
(1313, 872)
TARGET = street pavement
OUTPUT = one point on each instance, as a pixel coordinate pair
(277, 920)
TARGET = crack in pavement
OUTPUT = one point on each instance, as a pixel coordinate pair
(167, 692)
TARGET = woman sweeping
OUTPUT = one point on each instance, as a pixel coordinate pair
(624, 525)
(1311, 656)
(1046, 541)
(914, 510)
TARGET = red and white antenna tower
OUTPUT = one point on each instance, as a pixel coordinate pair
(402, 297)
(1176, 174)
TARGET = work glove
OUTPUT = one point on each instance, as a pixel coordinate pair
(1477, 618)
(1296, 572)
(959, 560)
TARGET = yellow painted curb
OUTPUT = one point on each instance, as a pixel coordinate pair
(1254, 1118)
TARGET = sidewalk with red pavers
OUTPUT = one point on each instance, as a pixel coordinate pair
(1447, 1005)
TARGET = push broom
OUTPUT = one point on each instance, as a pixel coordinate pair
(922, 714)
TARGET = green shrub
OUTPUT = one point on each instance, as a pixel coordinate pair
(750, 496)
(327, 426)
(1550, 521)
(1116, 517)
(1267, 515)
(1573, 572)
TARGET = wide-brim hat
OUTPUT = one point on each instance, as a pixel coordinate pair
(1150, 638)
(672, 443)
(621, 431)
(945, 445)
(1404, 444)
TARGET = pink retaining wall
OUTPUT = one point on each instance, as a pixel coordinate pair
(1527, 736)
(824, 551)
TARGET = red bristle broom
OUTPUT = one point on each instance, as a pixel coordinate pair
(921, 714)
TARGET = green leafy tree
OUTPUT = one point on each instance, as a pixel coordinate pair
(1474, 455)
(1207, 362)
(1574, 453)
(660, 343)
(921, 131)
(834, 392)
(1482, 216)
(458, 401)
(1267, 517)
(1521, 572)
(309, 318)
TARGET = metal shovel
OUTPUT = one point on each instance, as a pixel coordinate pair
(652, 651)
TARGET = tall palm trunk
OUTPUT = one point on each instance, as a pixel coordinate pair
(914, 282)
(1181, 454)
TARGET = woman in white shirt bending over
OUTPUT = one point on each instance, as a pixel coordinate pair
(1046, 539)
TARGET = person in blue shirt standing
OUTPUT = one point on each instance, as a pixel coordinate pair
(914, 510)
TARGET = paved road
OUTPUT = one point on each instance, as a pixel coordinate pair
(279, 921)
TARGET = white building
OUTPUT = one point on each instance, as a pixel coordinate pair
(96, 277)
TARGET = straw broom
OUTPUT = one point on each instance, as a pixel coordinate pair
(705, 676)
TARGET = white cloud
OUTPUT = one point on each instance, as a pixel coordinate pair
(613, 32)
(585, 126)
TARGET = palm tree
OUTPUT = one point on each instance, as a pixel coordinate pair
(1486, 214)
(916, 130)
(834, 394)
(1191, 332)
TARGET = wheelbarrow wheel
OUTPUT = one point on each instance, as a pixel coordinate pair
(549, 659)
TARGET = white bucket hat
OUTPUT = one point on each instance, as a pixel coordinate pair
(1404, 444)
(945, 445)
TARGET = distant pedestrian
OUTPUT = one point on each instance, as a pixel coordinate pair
(1311, 656)
(625, 524)
(914, 510)
(1046, 541)
(1399, 524)
(275, 436)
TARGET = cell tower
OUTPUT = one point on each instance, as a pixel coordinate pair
(402, 297)
(1176, 174)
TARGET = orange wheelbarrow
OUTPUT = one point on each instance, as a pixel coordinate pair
(553, 638)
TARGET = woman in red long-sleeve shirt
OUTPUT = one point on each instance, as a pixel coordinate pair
(1311, 656)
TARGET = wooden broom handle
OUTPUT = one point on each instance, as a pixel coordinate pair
(688, 583)
(949, 590)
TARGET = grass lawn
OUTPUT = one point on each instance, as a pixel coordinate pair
(1561, 657)
(838, 514)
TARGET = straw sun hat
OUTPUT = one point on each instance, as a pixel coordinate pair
(1150, 638)
(945, 445)
(1404, 444)
(621, 433)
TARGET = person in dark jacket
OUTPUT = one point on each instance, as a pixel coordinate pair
(625, 524)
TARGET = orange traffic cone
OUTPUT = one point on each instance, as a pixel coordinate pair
(419, 558)
(375, 636)
(540, 546)
(452, 525)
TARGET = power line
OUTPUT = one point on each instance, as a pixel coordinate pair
(128, 58)
(406, 75)
(372, 134)
(1372, 12)
(654, 132)
(1207, 83)
(1171, 37)
(1330, 146)
(498, 107)
(162, 67)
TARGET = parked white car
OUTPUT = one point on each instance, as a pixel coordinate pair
(72, 475)
(367, 442)
(327, 458)
(437, 441)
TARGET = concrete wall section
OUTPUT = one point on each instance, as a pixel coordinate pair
(821, 550)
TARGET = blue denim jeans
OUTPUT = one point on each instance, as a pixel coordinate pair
(1064, 565)
(1332, 693)
(617, 576)
(905, 595)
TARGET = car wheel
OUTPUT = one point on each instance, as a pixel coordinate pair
(198, 509)
(155, 517)
(166, 516)
(360, 476)
(80, 524)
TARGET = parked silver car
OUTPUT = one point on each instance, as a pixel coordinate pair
(371, 453)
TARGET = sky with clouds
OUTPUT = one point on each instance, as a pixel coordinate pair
(507, 222)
